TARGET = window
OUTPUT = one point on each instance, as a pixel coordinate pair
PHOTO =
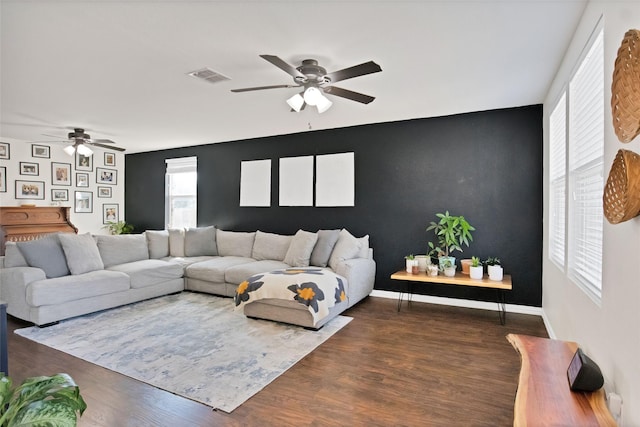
(586, 169)
(557, 181)
(181, 192)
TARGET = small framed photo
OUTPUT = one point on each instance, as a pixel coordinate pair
(84, 202)
(3, 179)
(60, 173)
(27, 168)
(42, 151)
(106, 176)
(30, 190)
(5, 151)
(109, 159)
(84, 163)
(104, 192)
(59, 195)
(110, 213)
(82, 179)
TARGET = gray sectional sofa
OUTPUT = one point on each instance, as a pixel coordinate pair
(65, 275)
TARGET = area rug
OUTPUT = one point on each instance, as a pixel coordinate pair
(193, 345)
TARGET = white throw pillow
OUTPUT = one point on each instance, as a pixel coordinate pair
(270, 246)
(299, 252)
(347, 247)
(176, 242)
(81, 252)
(234, 243)
(158, 242)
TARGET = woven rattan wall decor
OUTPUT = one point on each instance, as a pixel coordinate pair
(621, 199)
(625, 89)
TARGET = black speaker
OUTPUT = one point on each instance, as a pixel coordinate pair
(583, 373)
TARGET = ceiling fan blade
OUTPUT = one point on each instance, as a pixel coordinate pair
(355, 71)
(110, 147)
(57, 137)
(247, 89)
(349, 94)
(101, 141)
(287, 68)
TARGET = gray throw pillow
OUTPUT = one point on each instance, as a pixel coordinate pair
(176, 242)
(347, 247)
(13, 257)
(270, 246)
(300, 249)
(322, 251)
(364, 247)
(81, 252)
(200, 241)
(122, 248)
(234, 243)
(158, 243)
(45, 253)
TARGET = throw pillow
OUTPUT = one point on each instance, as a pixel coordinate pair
(322, 251)
(347, 247)
(13, 257)
(300, 249)
(234, 243)
(45, 253)
(81, 252)
(122, 248)
(176, 242)
(270, 246)
(364, 247)
(158, 243)
(200, 241)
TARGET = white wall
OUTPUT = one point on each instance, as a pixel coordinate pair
(609, 332)
(86, 222)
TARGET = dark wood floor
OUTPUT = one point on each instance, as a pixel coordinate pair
(428, 365)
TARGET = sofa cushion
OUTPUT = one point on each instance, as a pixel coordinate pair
(81, 252)
(13, 257)
(234, 243)
(149, 272)
(158, 243)
(322, 251)
(346, 247)
(176, 242)
(122, 248)
(213, 269)
(242, 272)
(74, 288)
(200, 241)
(46, 254)
(270, 246)
(364, 246)
(299, 252)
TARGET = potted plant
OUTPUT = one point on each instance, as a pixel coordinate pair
(465, 264)
(119, 227)
(449, 268)
(451, 232)
(411, 264)
(476, 270)
(494, 268)
(423, 262)
(40, 401)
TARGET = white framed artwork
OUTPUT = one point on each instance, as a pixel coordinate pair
(335, 180)
(296, 181)
(255, 183)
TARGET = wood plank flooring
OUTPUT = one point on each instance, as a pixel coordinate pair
(428, 365)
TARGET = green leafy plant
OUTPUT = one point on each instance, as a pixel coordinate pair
(41, 401)
(492, 261)
(120, 227)
(410, 257)
(475, 261)
(447, 264)
(452, 232)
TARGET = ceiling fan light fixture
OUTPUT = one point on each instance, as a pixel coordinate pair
(69, 149)
(312, 96)
(296, 102)
(84, 150)
(323, 104)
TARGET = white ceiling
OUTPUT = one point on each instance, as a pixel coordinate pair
(119, 68)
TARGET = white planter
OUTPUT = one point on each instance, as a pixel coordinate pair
(410, 263)
(476, 272)
(495, 272)
(423, 262)
(450, 271)
(432, 270)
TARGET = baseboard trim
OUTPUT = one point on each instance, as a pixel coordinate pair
(547, 324)
(483, 305)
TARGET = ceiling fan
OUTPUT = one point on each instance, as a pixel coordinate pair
(81, 142)
(315, 80)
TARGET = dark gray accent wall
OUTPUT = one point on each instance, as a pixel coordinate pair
(486, 166)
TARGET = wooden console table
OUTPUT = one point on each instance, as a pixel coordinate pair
(544, 397)
(459, 279)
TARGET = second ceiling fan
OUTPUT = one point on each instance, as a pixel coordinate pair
(314, 80)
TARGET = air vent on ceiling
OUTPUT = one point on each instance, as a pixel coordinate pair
(209, 75)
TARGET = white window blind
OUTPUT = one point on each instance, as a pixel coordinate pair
(181, 187)
(586, 182)
(557, 181)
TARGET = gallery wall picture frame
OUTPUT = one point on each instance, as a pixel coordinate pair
(104, 192)
(84, 163)
(83, 202)
(82, 179)
(109, 159)
(41, 151)
(3, 179)
(28, 168)
(106, 176)
(59, 194)
(33, 190)
(5, 151)
(110, 213)
(60, 173)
